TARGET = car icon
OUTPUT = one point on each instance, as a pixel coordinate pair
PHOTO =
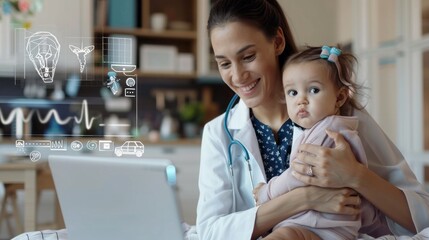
(130, 148)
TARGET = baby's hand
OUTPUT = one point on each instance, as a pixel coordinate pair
(256, 192)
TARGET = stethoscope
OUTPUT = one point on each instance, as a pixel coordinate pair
(233, 142)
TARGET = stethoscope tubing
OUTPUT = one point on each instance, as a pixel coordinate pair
(233, 142)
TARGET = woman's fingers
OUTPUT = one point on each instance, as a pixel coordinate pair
(348, 210)
(304, 169)
(311, 154)
(351, 205)
(330, 167)
(306, 179)
(340, 142)
(305, 173)
(338, 201)
(353, 201)
(311, 175)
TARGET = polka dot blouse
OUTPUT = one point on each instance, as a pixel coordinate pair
(275, 154)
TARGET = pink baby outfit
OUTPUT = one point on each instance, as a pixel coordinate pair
(325, 225)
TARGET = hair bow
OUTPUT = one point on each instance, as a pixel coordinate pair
(330, 53)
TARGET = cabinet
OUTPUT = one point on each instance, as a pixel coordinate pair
(180, 32)
(186, 158)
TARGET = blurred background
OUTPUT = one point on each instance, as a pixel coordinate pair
(171, 87)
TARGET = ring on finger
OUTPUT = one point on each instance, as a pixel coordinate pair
(310, 171)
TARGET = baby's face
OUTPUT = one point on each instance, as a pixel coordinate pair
(310, 94)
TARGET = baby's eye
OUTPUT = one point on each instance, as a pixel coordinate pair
(292, 93)
(314, 90)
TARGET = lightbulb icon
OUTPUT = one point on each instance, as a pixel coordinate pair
(43, 50)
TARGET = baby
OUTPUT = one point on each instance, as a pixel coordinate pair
(319, 94)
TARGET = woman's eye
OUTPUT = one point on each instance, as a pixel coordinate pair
(292, 93)
(314, 90)
(223, 65)
(249, 58)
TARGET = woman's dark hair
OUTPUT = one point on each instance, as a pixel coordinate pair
(342, 78)
(266, 15)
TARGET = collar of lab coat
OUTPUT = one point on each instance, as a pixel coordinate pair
(242, 129)
(239, 116)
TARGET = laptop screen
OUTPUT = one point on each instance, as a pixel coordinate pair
(117, 198)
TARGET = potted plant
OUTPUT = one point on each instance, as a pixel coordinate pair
(191, 115)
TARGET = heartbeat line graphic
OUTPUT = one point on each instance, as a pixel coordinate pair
(18, 113)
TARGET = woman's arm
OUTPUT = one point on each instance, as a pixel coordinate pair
(368, 184)
(337, 167)
(339, 201)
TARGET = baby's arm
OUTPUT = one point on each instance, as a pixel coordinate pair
(277, 186)
(260, 193)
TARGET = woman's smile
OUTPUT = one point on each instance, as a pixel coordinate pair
(247, 89)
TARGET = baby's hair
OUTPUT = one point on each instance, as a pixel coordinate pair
(342, 79)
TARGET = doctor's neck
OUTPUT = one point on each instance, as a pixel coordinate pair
(273, 115)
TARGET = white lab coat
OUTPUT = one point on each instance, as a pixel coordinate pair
(216, 216)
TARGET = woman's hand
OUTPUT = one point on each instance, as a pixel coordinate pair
(330, 167)
(337, 168)
(332, 200)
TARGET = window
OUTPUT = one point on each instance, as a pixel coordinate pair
(392, 45)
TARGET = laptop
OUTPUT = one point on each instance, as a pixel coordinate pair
(113, 198)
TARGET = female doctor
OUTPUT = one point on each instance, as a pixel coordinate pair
(250, 143)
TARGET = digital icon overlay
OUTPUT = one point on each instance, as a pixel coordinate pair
(81, 54)
(130, 148)
(43, 49)
(35, 156)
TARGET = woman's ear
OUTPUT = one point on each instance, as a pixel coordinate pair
(279, 41)
(342, 96)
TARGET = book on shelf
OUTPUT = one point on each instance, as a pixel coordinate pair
(122, 13)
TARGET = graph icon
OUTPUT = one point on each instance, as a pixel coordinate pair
(18, 114)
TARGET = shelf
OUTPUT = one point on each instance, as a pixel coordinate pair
(183, 38)
(212, 78)
(167, 75)
(141, 32)
(178, 75)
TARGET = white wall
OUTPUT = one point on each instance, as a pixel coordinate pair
(344, 21)
(319, 22)
(70, 17)
(65, 19)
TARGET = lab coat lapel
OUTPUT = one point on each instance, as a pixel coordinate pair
(241, 125)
